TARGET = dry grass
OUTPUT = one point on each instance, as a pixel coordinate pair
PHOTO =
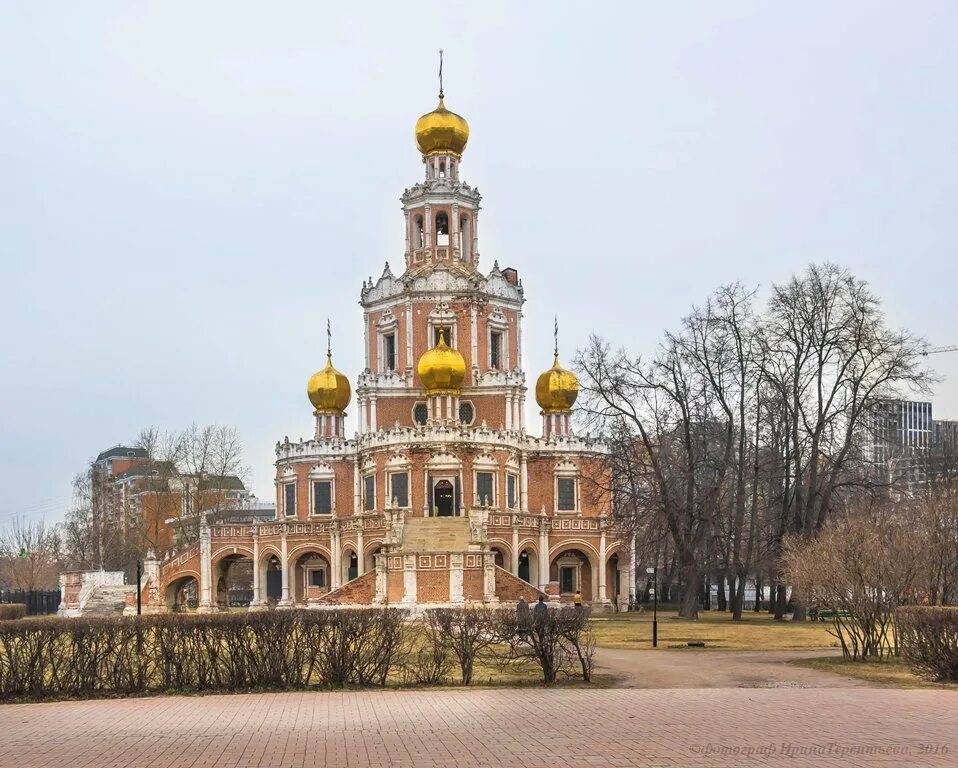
(893, 673)
(756, 632)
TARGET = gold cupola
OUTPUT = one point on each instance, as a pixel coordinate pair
(328, 389)
(557, 389)
(442, 131)
(442, 369)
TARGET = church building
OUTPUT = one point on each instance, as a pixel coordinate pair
(443, 495)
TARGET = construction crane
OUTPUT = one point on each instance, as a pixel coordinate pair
(936, 350)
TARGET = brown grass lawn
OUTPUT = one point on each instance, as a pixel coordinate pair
(893, 672)
(756, 632)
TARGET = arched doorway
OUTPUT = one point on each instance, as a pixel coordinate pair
(350, 565)
(500, 556)
(234, 581)
(370, 560)
(274, 580)
(613, 580)
(529, 567)
(572, 569)
(444, 498)
(183, 594)
(311, 576)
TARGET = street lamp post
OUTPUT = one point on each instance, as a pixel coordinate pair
(655, 605)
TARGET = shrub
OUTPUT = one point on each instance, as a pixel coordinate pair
(928, 638)
(559, 643)
(12, 611)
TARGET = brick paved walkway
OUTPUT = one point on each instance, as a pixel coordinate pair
(490, 727)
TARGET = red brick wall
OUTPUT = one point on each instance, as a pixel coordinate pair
(432, 586)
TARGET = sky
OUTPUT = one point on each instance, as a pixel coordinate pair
(188, 190)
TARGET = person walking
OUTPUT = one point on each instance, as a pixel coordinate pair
(541, 611)
(523, 616)
(577, 600)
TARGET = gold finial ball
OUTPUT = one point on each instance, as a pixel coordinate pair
(328, 389)
(442, 369)
(557, 389)
(442, 132)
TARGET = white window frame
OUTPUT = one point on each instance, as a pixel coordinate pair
(497, 323)
(493, 502)
(566, 470)
(389, 486)
(515, 485)
(365, 497)
(310, 569)
(286, 485)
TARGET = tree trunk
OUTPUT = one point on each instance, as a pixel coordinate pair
(722, 603)
(689, 601)
(758, 593)
(779, 602)
(739, 599)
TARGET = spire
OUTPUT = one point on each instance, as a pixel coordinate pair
(441, 95)
(329, 340)
(555, 334)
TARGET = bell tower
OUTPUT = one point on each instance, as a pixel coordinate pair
(441, 212)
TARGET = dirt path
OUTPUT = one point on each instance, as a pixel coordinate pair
(717, 669)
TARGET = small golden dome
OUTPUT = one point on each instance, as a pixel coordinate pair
(557, 389)
(328, 389)
(442, 131)
(442, 369)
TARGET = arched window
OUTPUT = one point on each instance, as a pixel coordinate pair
(442, 229)
(442, 169)
(465, 238)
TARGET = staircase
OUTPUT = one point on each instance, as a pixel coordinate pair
(435, 534)
(108, 600)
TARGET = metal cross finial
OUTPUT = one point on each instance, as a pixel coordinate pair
(440, 74)
(556, 334)
(329, 340)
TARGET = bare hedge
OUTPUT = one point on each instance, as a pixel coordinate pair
(296, 649)
(928, 638)
(12, 611)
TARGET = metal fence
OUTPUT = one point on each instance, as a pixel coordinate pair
(39, 602)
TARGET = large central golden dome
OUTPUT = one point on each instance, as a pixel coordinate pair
(442, 369)
(442, 132)
(328, 389)
(557, 389)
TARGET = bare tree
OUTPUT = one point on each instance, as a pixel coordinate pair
(28, 555)
(829, 357)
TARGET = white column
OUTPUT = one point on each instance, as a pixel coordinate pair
(522, 413)
(257, 599)
(426, 501)
(632, 570)
(524, 484)
(409, 361)
(515, 545)
(206, 568)
(336, 558)
(508, 424)
(408, 245)
(360, 546)
(361, 402)
(409, 578)
(515, 412)
(455, 578)
(543, 556)
(284, 565)
(474, 335)
(489, 578)
(373, 424)
(602, 544)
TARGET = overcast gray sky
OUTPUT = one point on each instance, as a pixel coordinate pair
(188, 189)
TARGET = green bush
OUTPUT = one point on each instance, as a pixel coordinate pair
(12, 611)
(928, 638)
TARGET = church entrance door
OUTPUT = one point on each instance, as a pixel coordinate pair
(444, 499)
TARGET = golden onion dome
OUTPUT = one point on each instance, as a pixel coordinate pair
(328, 389)
(442, 369)
(557, 389)
(442, 131)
